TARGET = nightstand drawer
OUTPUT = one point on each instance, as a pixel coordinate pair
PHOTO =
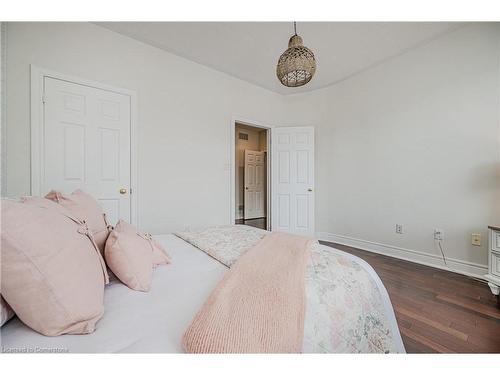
(495, 264)
(495, 241)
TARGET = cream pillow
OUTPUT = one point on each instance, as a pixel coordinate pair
(52, 275)
(87, 208)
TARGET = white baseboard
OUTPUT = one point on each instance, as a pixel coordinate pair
(454, 265)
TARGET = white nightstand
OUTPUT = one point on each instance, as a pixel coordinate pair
(493, 275)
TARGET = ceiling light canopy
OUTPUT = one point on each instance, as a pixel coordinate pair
(297, 65)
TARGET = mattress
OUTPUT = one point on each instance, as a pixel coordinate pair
(152, 322)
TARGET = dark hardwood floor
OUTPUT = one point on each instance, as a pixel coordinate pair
(437, 311)
(257, 223)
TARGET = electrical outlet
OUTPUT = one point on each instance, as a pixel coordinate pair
(476, 239)
(399, 228)
(438, 235)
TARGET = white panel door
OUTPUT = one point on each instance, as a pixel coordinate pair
(255, 184)
(86, 144)
(293, 180)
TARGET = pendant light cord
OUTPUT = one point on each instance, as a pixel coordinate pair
(295, 27)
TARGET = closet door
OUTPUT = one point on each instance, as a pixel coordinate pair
(86, 144)
(293, 180)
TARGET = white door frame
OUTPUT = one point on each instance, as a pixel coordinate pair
(37, 126)
(232, 166)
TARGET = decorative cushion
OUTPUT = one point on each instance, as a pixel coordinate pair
(52, 276)
(85, 207)
(130, 256)
(6, 311)
(49, 204)
(160, 256)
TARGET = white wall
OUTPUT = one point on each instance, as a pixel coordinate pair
(185, 111)
(414, 141)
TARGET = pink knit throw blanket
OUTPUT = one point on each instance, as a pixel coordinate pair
(259, 305)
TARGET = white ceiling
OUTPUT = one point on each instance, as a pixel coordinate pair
(250, 50)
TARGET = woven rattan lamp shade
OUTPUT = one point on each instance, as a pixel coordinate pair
(297, 65)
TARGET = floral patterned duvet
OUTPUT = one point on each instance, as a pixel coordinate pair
(348, 309)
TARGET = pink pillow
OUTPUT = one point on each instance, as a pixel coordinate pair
(6, 311)
(160, 256)
(52, 275)
(87, 208)
(130, 257)
(47, 203)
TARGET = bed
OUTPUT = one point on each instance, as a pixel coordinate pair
(154, 322)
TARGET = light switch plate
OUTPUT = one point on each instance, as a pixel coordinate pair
(476, 239)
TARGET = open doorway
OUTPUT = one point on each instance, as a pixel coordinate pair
(251, 173)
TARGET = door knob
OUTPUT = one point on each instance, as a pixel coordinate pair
(123, 191)
(310, 189)
(246, 187)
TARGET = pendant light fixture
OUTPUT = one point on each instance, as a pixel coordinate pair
(297, 65)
